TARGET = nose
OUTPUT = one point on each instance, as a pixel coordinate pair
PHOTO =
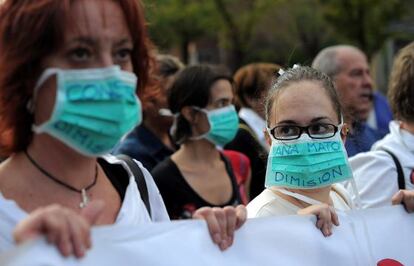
(106, 60)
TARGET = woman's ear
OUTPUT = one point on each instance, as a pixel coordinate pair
(188, 113)
(267, 137)
(344, 132)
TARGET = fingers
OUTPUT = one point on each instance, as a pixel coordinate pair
(241, 214)
(62, 227)
(222, 222)
(334, 217)
(397, 198)
(326, 217)
(207, 214)
(230, 213)
(405, 197)
(79, 235)
(63, 237)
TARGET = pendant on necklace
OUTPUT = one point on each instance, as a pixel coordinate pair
(85, 199)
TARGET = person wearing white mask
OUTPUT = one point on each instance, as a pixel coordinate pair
(307, 158)
(389, 166)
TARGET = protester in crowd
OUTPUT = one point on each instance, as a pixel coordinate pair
(380, 173)
(198, 174)
(251, 83)
(348, 67)
(150, 142)
(307, 158)
(68, 70)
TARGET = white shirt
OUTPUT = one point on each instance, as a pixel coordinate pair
(132, 211)
(256, 123)
(269, 203)
(375, 172)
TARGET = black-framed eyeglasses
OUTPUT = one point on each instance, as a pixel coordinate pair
(315, 131)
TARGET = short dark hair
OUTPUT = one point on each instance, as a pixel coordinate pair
(298, 74)
(192, 88)
(401, 85)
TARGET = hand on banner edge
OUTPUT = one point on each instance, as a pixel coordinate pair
(326, 217)
(61, 226)
(222, 222)
(404, 197)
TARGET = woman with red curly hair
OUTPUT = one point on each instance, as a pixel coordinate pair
(68, 79)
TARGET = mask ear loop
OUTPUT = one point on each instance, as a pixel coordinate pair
(45, 76)
(167, 113)
(202, 136)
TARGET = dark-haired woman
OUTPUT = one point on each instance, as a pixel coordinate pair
(198, 174)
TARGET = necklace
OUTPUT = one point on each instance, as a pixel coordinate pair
(84, 195)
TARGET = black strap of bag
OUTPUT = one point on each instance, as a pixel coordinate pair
(401, 180)
(139, 178)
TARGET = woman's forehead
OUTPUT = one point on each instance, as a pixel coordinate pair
(301, 102)
(96, 19)
(221, 88)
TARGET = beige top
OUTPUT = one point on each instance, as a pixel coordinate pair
(269, 203)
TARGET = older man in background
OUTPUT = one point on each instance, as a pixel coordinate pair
(348, 67)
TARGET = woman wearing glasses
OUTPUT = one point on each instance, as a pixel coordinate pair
(307, 157)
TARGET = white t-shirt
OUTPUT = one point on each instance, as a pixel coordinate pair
(375, 172)
(132, 211)
(269, 203)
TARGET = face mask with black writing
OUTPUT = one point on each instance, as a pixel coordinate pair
(307, 163)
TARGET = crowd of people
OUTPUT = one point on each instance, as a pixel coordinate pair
(88, 88)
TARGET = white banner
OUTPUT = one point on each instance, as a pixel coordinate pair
(363, 238)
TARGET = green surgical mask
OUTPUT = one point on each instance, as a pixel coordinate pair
(93, 109)
(224, 123)
(307, 163)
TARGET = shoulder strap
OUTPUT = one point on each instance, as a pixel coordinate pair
(401, 181)
(238, 188)
(139, 178)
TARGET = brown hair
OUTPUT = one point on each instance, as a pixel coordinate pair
(401, 85)
(252, 80)
(30, 31)
(298, 74)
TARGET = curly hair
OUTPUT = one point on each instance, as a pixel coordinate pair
(29, 32)
(401, 85)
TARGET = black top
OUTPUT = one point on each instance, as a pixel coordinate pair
(179, 197)
(246, 143)
(117, 175)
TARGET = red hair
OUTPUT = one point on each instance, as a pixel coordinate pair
(30, 30)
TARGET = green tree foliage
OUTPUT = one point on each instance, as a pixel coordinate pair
(363, 22)
(280, 31)
(240, 18)
(175, 23)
